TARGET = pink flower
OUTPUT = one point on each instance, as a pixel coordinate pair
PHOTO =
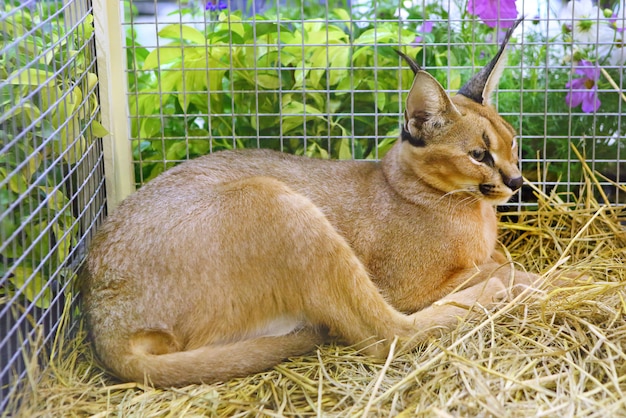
(427, 27)
(494, 12)
(584, 90)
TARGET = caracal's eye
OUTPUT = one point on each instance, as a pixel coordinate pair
(478, 154)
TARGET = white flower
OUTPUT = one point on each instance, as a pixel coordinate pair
(589, 27)
(617, 56)
(401, 13)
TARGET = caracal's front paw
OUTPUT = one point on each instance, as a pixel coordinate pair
(522, 282)
(493, 291)
(485, 293)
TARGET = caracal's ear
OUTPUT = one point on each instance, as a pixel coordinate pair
(480, 88)
(428, 106)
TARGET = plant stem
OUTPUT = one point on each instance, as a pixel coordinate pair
(613, 84)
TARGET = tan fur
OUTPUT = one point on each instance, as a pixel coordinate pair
(225, 265)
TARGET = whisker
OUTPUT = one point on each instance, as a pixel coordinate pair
(471, 197)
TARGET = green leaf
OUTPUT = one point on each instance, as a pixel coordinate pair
(33, 161)
(192, 83)
(72, 144)
(177, 151)
(199, 146)
(373, 36)
(56, 200)
(314, 26)
(64, 242)
(385, 145)
(339, 59)
(32, 77)
(455, 80)
(147, 102)
(315, 151)
(3, 175)
(325, 34)
(150, 127)
(49, 96)
(364, 51)
(345, 152)
(295, 107)
(288, 123)
(86, 28)
(232, 23)
(169, 84)
(18, 183)
(31, 284)
(98, 130)
(156, 170)
(163, 55)
(343, 85)
(8, 223)
(300, 75)
(267, 28)
(183, 32)
(270, 82)
(65, 108)
(30, 111)
(40, 233)
(314, 79)
(343, 14)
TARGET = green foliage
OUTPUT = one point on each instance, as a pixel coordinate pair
(47, 100)
(188, 90)
(335, 85)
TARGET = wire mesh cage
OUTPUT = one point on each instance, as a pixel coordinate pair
(322, 78)
(51, 171)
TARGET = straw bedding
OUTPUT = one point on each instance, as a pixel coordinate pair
(556, 351)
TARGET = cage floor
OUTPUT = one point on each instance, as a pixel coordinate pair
(552, 351)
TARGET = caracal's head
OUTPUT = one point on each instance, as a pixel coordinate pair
(460, 144)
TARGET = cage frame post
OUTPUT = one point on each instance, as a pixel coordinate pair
(111, 62)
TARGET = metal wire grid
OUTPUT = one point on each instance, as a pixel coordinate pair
(554, 168)
(51, 173)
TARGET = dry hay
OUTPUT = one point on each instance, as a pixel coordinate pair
(553, 352)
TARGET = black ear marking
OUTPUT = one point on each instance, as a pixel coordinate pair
(476, 87)
(414, 65)
(406, 136)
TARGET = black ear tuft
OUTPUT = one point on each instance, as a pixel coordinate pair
(414, 65)
(481, 85)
